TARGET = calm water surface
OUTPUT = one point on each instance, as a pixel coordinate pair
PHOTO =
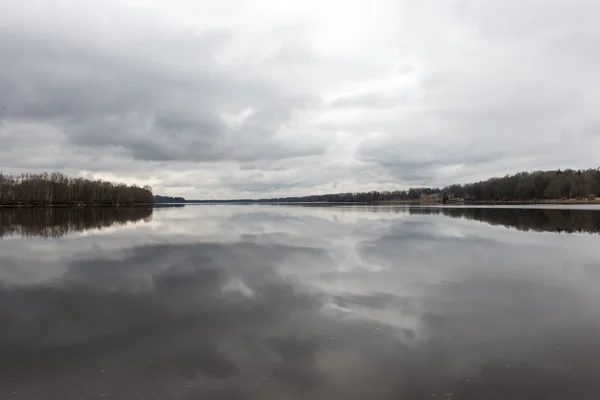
(290, 302)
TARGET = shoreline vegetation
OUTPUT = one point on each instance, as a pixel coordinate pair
(540, 187)
(58, 190)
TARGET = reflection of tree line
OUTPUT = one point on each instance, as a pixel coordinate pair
(56, 222)
(541, 220)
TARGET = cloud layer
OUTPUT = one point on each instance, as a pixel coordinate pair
(254, 99)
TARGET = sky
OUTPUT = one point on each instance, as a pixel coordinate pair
(249, 99)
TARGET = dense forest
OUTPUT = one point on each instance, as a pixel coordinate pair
(567, 184)
(524, 186)
(521, 187)
(58, 189)
(58, 221)
(168, 199)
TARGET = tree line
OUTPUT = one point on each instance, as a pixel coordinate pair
(168, 199)
(539, 185)
(520, 187)
(524, 186)
(58, 189)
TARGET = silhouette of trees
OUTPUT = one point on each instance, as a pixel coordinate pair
(539, 185)
(168, 199)
(58, 189)
(521, 187)
(350, 197)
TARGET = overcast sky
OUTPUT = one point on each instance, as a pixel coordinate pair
(236, 98)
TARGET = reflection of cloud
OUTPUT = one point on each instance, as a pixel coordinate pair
(298, 316)
(180, 328)
(523, 335)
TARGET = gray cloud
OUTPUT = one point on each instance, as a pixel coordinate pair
(224, 91)
(369, 100)
(158, 95)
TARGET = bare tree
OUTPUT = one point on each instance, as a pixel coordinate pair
(56, 188)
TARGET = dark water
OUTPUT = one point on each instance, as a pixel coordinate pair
(273, 302)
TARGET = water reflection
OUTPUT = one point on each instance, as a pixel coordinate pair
(540, 219)
(537, 219)
(289, 302)
(57, 222)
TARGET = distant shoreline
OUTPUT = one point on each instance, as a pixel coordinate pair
(539, 187)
